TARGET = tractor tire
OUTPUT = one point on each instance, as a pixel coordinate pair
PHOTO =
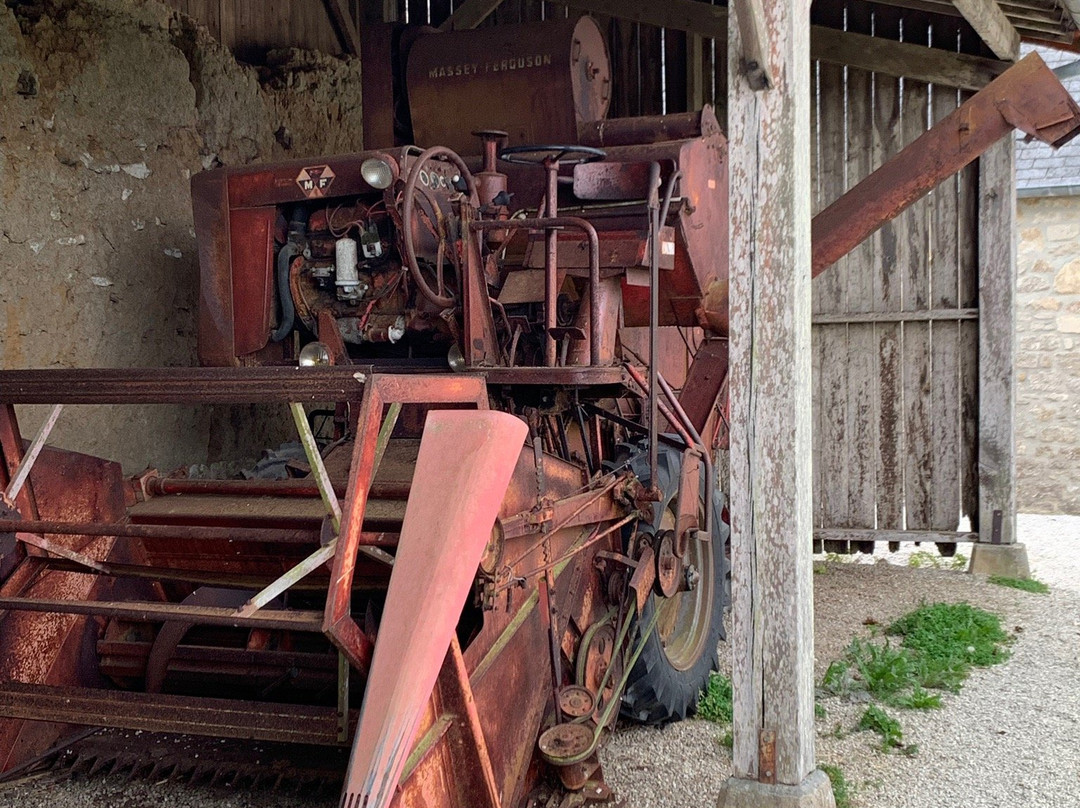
(674, 666)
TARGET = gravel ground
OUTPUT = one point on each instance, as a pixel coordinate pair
(1007, 739)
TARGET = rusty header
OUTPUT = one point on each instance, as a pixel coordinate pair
(1027, 96)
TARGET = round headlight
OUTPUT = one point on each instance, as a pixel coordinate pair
(377, 173)
(456, 358)
(314, 353)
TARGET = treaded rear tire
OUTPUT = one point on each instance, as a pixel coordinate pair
(657, 692)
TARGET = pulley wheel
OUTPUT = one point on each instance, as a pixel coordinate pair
(565, 741)
(576, 701)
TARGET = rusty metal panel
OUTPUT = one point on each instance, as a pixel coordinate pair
(52, 649)
(210, 205)
(252, 254)
(537, 82)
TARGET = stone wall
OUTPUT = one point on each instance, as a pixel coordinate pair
(1048, 355)
(107, 107)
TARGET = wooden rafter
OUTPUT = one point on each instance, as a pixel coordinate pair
(755, 44)
(903, 60)
(470, 14)
(680, 15)
(344, 25)
(900, 59)
(990, 22)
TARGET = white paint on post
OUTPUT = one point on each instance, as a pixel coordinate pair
(771, 483)
(997, 340)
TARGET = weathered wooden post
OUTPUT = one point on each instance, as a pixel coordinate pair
(997, 552)
(771, 483)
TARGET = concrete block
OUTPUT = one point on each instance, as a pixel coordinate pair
(1009, 560)
(813, 792)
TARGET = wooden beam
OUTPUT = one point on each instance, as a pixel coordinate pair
(680, 15)
(470, 14)
(990, 22)
(771, 475)
(752, 33)
(902, 59)
(899, 59)
(343, 24)
(695, 72)
(997, 340)
(852, 535)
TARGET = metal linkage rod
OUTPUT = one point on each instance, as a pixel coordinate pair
(31, 456)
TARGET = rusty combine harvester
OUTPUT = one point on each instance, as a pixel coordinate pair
(514, 534)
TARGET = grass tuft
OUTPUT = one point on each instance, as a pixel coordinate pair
(840, 788)
(1025, 584)
(715, 702)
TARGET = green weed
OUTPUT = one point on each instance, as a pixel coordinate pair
(727, 740)
(938, 646)
(819, 711)
(842, 792)
(923, 558)
(947, 639)
(879, 721)
(883, 671)
(715, 702)
(918, 699)
(837, 680)
(1026, 584)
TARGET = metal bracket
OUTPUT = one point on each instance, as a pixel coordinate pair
(767, 756)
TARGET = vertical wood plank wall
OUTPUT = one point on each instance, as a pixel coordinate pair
(895, 399)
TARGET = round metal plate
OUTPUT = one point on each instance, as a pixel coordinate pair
(565, 741)
(576, 701)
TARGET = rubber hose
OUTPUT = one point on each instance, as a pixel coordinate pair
(288, 310)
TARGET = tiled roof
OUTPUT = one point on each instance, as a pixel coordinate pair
(1040, 170)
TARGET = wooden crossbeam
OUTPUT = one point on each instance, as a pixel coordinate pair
(470, 14)
(990, 22)
(899, 59)
(752, 32)
(902, 59)
(344, 25)
(679, 15)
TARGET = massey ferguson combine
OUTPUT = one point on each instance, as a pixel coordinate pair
(514, 533)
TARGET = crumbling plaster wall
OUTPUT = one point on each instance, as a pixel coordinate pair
(107, 107)
(1048, 355)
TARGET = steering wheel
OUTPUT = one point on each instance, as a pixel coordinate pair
(440, 295)
(539, 155)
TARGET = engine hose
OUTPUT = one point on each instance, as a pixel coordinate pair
(288, 310)
(293, 247)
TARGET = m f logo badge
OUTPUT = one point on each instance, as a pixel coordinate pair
(314, 181)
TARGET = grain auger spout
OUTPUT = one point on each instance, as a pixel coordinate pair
(1027, 96)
